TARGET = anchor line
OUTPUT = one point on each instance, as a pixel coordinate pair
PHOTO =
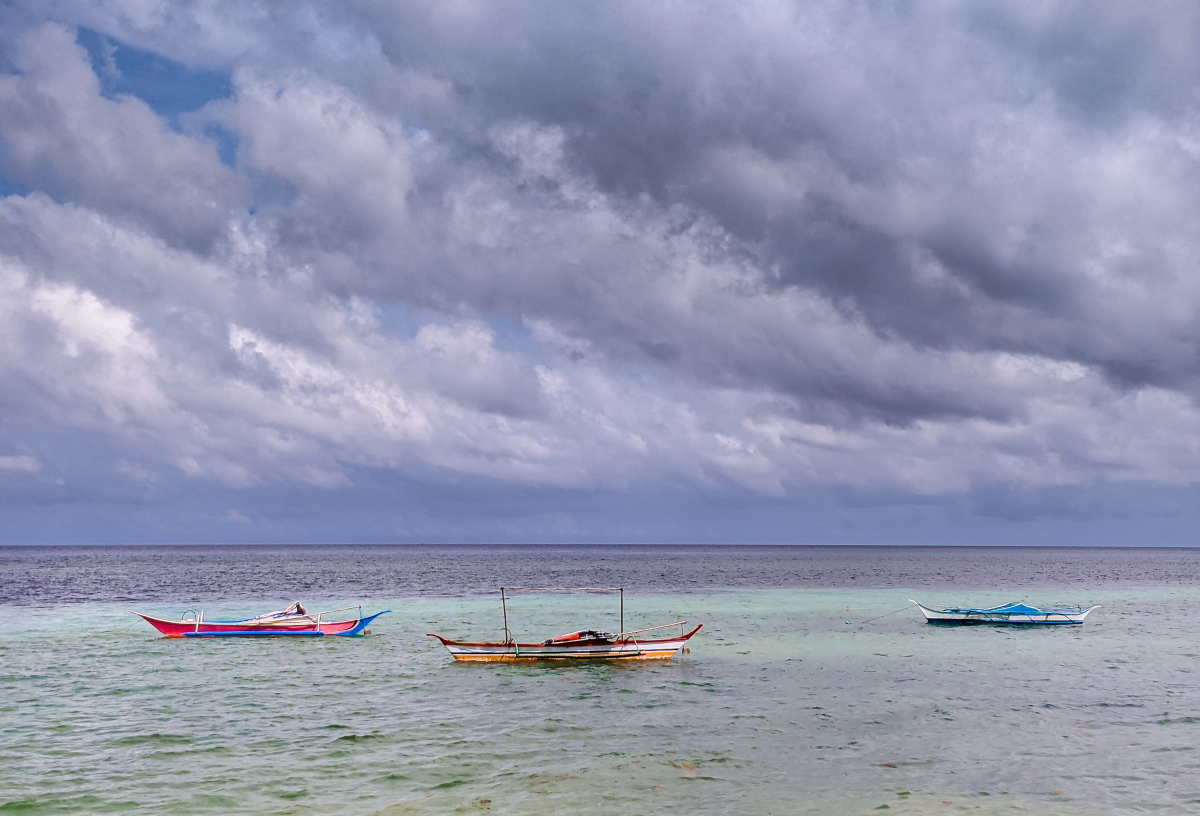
(884, 615)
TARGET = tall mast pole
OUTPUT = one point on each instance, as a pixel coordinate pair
(504, 606)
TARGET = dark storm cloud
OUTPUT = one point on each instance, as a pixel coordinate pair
(866, 111)
(913, 247)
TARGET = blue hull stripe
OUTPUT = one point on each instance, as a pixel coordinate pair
(985, 622)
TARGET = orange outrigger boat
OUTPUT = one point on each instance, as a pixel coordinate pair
(587, 644)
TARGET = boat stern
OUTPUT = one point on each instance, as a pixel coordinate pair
(360, 626)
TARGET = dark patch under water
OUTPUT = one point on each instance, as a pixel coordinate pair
(56, 575)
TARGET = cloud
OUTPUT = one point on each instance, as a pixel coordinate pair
(20, 464)
(346, 165)
(115, 155)
(929, 250)
(237, 518)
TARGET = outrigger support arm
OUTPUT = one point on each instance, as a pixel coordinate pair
(652, 628)
(343, 609)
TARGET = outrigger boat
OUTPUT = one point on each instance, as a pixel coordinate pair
(294, 621)
(587, 644)
(1010, 614)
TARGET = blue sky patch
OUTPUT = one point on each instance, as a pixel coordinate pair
(227, 143)
(170, 88)
(8, 188)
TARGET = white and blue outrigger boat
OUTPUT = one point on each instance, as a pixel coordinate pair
(1010, 614)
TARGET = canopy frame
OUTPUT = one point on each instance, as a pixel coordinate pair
(504, 592)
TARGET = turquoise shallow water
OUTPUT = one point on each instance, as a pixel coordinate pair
(780, 708)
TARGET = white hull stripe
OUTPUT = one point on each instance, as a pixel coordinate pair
(598, 650)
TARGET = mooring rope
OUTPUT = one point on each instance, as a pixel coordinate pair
(884, 615)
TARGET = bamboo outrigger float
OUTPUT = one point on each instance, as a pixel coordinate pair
(586, 644)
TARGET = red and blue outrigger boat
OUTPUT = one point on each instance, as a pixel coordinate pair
(294, 621)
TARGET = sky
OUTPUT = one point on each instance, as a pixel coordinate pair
(600, 272)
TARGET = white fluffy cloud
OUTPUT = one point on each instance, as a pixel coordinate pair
(62, 137)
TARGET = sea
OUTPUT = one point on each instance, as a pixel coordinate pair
(815, 687)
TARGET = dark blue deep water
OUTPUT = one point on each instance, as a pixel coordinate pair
(57, 575)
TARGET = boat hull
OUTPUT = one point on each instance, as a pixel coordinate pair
(203, 629)
(623, 649)
(985, 617)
